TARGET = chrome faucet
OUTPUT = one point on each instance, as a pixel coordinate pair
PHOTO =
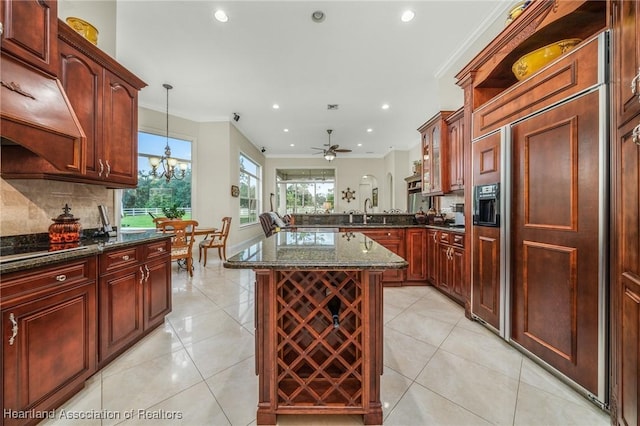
(365, 217)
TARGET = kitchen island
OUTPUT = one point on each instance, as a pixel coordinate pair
(319, 340)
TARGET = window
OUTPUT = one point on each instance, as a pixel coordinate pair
(250, 176)
(305, 191)
(152, 195)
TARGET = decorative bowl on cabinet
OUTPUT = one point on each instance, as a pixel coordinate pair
(533, 61)
(84, 28)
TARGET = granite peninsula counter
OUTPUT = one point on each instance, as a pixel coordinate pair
(318, 323)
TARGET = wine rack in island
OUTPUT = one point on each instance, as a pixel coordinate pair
(313, 328)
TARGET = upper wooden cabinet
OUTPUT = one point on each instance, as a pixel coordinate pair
(29, 30)
(435, 155)
(626, 60)
(455, 130)
(542, 22)
(105, 97)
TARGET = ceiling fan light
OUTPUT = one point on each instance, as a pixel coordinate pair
(329, 156)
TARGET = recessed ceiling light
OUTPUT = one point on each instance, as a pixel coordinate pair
(276, 106)
(359, 144)
(317, 16)
(385, 106)
(221, 16)
(292, 144)
(286, 130)
(407, 15)
(369, 130)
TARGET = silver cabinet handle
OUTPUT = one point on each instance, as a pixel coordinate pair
(101, 167)
(14, 328)
(108, 168)
(146, 278)
(635, 135)
(141, 275)
(61, 278)
(635, 84)
(435, 238)
(160, 249)
(125, 257)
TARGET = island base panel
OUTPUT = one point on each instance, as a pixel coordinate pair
(306, 365)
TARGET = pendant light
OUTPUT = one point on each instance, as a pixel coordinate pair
(171, 169)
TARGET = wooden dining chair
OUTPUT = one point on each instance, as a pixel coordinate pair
(182, 240)
(218, 240)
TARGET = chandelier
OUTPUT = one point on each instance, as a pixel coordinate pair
(171, 169)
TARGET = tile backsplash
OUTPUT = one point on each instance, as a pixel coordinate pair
(28, 205)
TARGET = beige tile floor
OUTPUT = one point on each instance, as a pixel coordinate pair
(440, 368)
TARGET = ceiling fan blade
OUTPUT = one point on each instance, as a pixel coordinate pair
(321, 149)
(341, 150)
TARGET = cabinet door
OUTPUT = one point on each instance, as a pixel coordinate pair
(120, 144)
(626, 47)
(456, 153)
(416, 254)
(121, 310)
(432, 256)
(555, 264)
(458, 286)
(436, 158)
(486, 275)
(157, 292)
(445, 268)
(393, 240)
(30, 29)
(49, 348)
(82, 80)
(626, 293)
(393, 276)
(426, 161)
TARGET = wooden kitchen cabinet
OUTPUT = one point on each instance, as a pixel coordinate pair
(29, 32)
(435, 155)
(449, 267)
(416, 251)
(104, 96)
(432, 256)
(49, 335)
(455, 130)
(625, 194)
(391, 239)
(135, 295)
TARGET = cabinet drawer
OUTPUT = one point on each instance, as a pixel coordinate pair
(117, 259)
(157, 249)
(575, 72)
(384, 234)
(444, 238)
(457, 240)
(32, 283)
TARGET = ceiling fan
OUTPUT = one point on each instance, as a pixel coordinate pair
(331, 150)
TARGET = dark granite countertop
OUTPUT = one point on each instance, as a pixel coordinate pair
(86, 247)
(316, 250)
(360, 226)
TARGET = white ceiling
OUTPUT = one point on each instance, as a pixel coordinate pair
(360, 57)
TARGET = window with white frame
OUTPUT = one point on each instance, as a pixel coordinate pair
(153, 194)
(250, 184)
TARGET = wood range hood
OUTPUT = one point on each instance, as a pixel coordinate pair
(38, 124)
